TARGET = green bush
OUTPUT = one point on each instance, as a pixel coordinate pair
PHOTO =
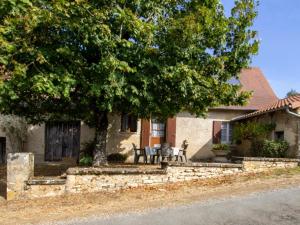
(221, 147)
(86, 160)
(86, 153)
(267, 148)
(117, 158)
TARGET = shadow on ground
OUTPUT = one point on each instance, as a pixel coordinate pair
(50, 169)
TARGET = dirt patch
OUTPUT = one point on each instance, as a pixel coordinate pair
(138, 199)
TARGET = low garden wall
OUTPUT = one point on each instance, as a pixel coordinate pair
(110, 179)
(253, 164)
(94, 179)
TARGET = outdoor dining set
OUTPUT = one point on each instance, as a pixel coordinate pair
(160, 152)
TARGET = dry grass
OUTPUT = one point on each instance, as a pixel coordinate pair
(138, 199)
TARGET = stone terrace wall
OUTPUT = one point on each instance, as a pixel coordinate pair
(262, 164)
(22, 184)
(100, 179)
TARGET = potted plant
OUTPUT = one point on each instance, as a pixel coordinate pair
(220, 150)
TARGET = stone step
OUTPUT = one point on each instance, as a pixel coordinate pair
(46, 181)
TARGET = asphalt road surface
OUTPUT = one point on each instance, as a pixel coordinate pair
(278, 207)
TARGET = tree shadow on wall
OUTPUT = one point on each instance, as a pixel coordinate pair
(121, 142)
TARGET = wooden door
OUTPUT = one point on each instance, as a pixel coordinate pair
(62, 140)
(2, 150)
(145, 133)
(158, 132)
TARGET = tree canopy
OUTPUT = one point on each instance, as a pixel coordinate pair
(292, 92)
(83, 59)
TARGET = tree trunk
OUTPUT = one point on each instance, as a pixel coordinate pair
(100, 157)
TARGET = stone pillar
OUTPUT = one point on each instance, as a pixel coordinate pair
(20, 167)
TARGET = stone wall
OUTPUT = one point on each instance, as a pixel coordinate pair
(21, 183)
(97, 179)
(20, 167)
(263, 164)
(284, 122)
(50, 187)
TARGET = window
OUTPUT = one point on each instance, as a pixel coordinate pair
(279, 135)
(158, 128)
(226, 133)
(128, 123)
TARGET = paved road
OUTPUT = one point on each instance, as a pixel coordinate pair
(280, 207)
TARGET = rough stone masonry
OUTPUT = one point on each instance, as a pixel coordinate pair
(22, 185)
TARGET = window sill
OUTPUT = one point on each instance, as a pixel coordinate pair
(127, 132)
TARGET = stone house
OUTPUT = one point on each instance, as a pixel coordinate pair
(285, 114)
(56, 140)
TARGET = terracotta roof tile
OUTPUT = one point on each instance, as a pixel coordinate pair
(292, 102)
(252, 79)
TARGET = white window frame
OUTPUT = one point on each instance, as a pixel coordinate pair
(228, 129)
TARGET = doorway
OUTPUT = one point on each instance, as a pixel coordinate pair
(2, 150)
(62, 139)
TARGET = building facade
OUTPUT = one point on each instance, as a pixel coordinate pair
(57, 140)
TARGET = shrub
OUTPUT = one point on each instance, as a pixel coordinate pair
(221, 147)
(117, 158)
(276, 149)
(86, 160)
(86, 153)
(267, 148)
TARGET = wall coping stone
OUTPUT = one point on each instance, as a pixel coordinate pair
(199, 164)
(262, 159)
(46, 181)
(113, 171)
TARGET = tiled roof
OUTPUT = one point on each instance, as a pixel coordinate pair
(252, 79)
(292, 102)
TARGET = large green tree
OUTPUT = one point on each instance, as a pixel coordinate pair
(84, 59)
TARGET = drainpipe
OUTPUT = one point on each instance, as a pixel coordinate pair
(287, 109)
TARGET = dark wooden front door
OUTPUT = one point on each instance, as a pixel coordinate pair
(62, 140)
(2, 150)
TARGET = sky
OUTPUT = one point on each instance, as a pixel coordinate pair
(278, 26)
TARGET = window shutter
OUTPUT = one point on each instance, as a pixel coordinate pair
(124, 122)
(217, 126)
(133, 123)
(171, 131)
(145, 133)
